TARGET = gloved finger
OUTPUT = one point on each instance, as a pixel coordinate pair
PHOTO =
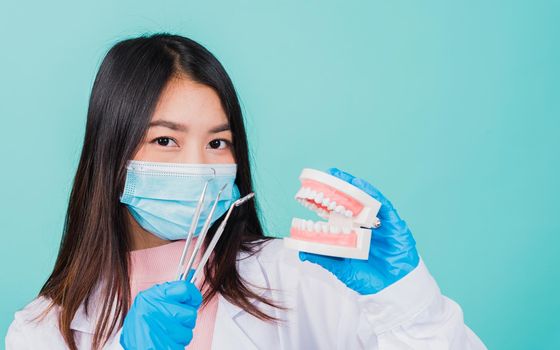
(183, 292)
(187, 335)
(330, 263)
(190, 274)
(391, 243)
(372, 191)
(387, 211)
(145, 340)
(168, 332)
(341, 174)
(182, 313)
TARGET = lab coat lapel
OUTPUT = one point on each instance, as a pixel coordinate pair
(227, 332)
(87, 322)
(82, 322)
(236, 328)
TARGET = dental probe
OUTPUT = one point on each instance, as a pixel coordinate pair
(217, 236)
(194, 223)
(202, 234)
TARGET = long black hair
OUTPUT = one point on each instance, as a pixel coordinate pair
(96, 236)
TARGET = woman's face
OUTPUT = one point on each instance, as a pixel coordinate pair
(188, 126)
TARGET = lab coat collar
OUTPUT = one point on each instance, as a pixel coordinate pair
(233, 324)
(236, 328)
(87, 322)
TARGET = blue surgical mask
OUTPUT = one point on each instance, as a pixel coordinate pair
(162, 197)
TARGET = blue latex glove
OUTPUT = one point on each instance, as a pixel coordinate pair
(162, 317)
(392, 252)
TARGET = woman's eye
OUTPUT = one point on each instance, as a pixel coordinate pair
(164, 141)
(215, 144)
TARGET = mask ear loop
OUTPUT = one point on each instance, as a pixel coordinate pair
(194, 223)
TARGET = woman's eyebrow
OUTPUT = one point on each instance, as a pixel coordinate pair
(219, 128)
(181, 127)
(169, 124)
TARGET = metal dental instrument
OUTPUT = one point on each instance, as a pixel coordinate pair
(202, 235)
(217, 235)
(194, 223)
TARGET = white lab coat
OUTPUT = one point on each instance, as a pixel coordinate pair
(323, 313)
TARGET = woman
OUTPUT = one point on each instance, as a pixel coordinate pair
(164, 101)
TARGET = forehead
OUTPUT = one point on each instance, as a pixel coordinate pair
(187, 102)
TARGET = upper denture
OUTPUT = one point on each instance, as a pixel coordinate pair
(328, 198)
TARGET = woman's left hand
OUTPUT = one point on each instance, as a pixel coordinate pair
(392, 252)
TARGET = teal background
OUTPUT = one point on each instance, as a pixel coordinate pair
(450, 108)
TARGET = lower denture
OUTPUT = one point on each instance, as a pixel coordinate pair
(346, 240)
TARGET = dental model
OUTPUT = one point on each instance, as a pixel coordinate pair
(349, 211)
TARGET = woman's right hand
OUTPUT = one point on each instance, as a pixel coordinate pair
(162, 317)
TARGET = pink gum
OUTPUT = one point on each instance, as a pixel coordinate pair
(346, 240)
(339, 197)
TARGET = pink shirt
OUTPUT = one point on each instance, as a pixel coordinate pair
(159, 264)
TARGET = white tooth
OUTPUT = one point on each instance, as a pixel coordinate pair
(319, 198)
(325, 228)
(339, 209)
(300, 193)
(317, 226)
(348, 213)
(311, 194)
(326, 202)
(346, 230)
(294, 222)
(334, 229)
(309, 225)
(301, 224)
(332, 205)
